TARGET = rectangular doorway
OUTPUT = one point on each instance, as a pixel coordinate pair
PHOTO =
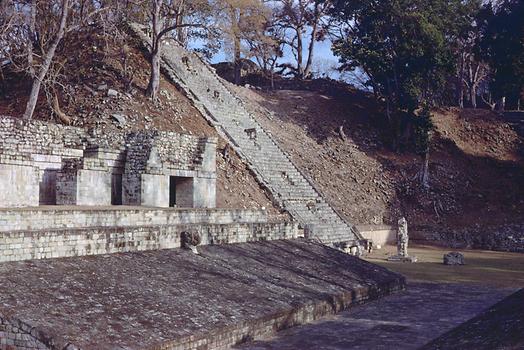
(116, 189)
(181, 192)
(172, 191)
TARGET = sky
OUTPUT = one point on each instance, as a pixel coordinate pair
(323, 57)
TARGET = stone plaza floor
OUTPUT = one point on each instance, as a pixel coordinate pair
(405, 320)
(437, 299)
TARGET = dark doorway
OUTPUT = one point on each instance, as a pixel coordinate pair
(116, 189)
(181, 191)
(172, 191)
(48, 187)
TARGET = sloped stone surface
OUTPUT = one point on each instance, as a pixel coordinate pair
(177, 299)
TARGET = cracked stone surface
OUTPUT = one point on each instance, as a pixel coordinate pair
(405, 320)
(140, 300)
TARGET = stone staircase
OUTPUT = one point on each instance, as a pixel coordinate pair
(271, 165)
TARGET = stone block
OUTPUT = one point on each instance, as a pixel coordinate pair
(154, 190)
(453, 258)
(18, 185)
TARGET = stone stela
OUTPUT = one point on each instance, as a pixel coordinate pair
(402, 243)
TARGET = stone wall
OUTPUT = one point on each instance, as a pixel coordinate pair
(18, 185)
(71, 218)
(508, 237)
(44, 163)
(15, 334)
(152, 159)
(58, 243)
(379, 234)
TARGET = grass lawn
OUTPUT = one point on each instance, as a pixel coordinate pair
(497, 269)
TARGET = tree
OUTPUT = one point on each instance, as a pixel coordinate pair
(302, 21)
(31, 33)
(267, 48)
(241, 21)
(39, 74)
(401, 45)
(162, 16)
(404, 48)
(471, 71)
(502, 46)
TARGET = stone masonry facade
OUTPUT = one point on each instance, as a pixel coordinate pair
(35, 233)
(46, 164)
(60, 243)
(15, 334)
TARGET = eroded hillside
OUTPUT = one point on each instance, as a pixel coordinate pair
(476, 168)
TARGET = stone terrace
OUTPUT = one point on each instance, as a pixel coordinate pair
(67, 231)
(174, 299)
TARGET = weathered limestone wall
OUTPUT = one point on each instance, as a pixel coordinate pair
(57, 243)
(204, 193)
(18, 335)
(43, 163)
(379, 234)
(41, 219)
(154, 191)
(152, 161)
(18, 185)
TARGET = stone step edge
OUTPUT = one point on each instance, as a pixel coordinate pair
(268, 325)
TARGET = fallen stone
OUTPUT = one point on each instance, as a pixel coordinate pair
(453, 258)
(112, 93)
(190, 240)
(119, 118)
(101, 87)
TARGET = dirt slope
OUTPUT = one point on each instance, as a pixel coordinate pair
(476, 169)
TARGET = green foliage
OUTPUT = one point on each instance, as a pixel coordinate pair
(502, 46)
(404, 46)
(422, 127)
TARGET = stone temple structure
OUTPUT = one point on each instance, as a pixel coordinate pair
(70, 192)
(45, 164)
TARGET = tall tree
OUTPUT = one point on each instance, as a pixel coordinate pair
(241, 21)
(303, 22)
(267, 48)
(404, 48)
(502, 46)
(471, 71)
(164, 16)
(38, 74)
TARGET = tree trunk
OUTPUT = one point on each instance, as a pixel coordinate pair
(473, 96)
(460, 82)
(237, 63)
(424, 174)
(501, 104)
(181, 31)
(300, 70)
(154, 77)
(31, 40)
(311, 48)
(48, 58)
